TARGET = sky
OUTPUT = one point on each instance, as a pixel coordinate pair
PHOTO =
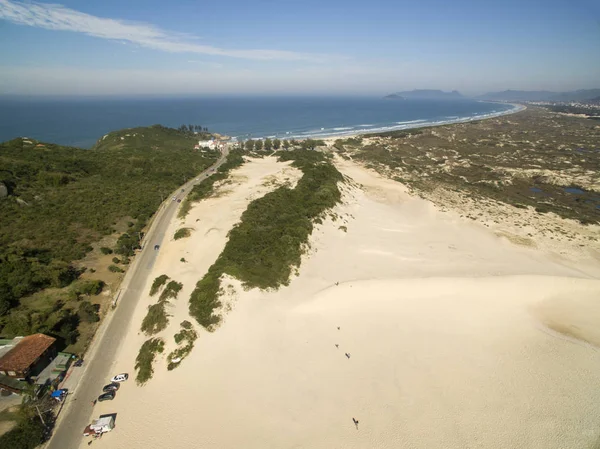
(277, 47)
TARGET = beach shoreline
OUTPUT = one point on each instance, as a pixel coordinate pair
(330, 139)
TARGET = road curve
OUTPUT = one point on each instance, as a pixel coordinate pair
(78, 410)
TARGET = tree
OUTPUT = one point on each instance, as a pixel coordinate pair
(286, 144)
(276, 144)
(258, 145)
(249, 144)
(268, 144)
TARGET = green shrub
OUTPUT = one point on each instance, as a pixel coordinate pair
(171, 291)
(85, 287)
(145, 359)
(29, 433)
(155, 320)
(116, 260)
(267, 243)
(104, 250)
(182, 233)
(88, 312)
(115, 269)
(187, 335)
(158, 283)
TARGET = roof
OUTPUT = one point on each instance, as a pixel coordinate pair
(12, 383)
(25, 353)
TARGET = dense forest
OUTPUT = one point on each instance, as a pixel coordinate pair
(55, 201)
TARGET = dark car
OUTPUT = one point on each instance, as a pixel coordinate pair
(108, 396)
(111, 387)
(179, 201)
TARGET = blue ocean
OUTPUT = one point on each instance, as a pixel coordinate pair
(81, 122)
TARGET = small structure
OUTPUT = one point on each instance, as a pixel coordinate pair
(55, 370)
(105, 423)
(30, 355)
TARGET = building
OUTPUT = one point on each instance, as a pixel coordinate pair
(28, 357)
(210, 144)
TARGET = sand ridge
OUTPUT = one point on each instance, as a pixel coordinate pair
(443, 322)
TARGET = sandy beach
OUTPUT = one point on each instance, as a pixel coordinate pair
(428, 329)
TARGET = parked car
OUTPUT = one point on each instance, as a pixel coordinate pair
(108, 396)
(156, 247)
(120, 377)
(174, 198)
(79, 362)
(111, 387)
(179, 201)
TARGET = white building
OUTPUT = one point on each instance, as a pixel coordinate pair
(210, 144)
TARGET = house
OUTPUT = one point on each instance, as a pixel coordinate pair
(210, 144)
(28, 357)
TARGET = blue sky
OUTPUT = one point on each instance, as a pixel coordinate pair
(112, 47)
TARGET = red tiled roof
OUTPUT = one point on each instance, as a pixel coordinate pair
(25, 353)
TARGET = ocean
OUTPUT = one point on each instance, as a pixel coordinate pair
(81, 122)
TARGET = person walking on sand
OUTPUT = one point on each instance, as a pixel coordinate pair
(348, 355)
(355, 421)
(337, 346)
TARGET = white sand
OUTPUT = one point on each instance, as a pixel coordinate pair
(444, 322)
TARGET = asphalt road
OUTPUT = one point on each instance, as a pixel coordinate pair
(78, 411)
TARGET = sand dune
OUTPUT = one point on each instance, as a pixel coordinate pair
(456, 338)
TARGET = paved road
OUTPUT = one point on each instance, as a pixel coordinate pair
(78, 410)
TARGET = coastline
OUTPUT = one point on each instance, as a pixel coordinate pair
(330, 139)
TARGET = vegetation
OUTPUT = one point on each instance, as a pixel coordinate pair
(115, 269)
(158, 283)
(187, 335)
(267, 243)
(29, 432)
(171, 291)
(145, 359)
(205, 188)
(182, 233)
(399, 134)
(156, 319)
(62, 199)
(88, 312)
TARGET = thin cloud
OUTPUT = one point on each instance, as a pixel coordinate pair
(58, 17)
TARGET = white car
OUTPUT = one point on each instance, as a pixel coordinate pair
(120, 377)
(174, 198)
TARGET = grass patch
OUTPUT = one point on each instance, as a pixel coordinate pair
(156, 319)
(158, 283)
(145, 359)
(187, 335)
(182, 233)
(343, 228)
(267, 243)
(171, 291)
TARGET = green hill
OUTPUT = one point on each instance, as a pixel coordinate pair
(62, 199)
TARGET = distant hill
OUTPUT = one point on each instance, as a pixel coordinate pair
(577, 95)
(541, 95)
(425, 94)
